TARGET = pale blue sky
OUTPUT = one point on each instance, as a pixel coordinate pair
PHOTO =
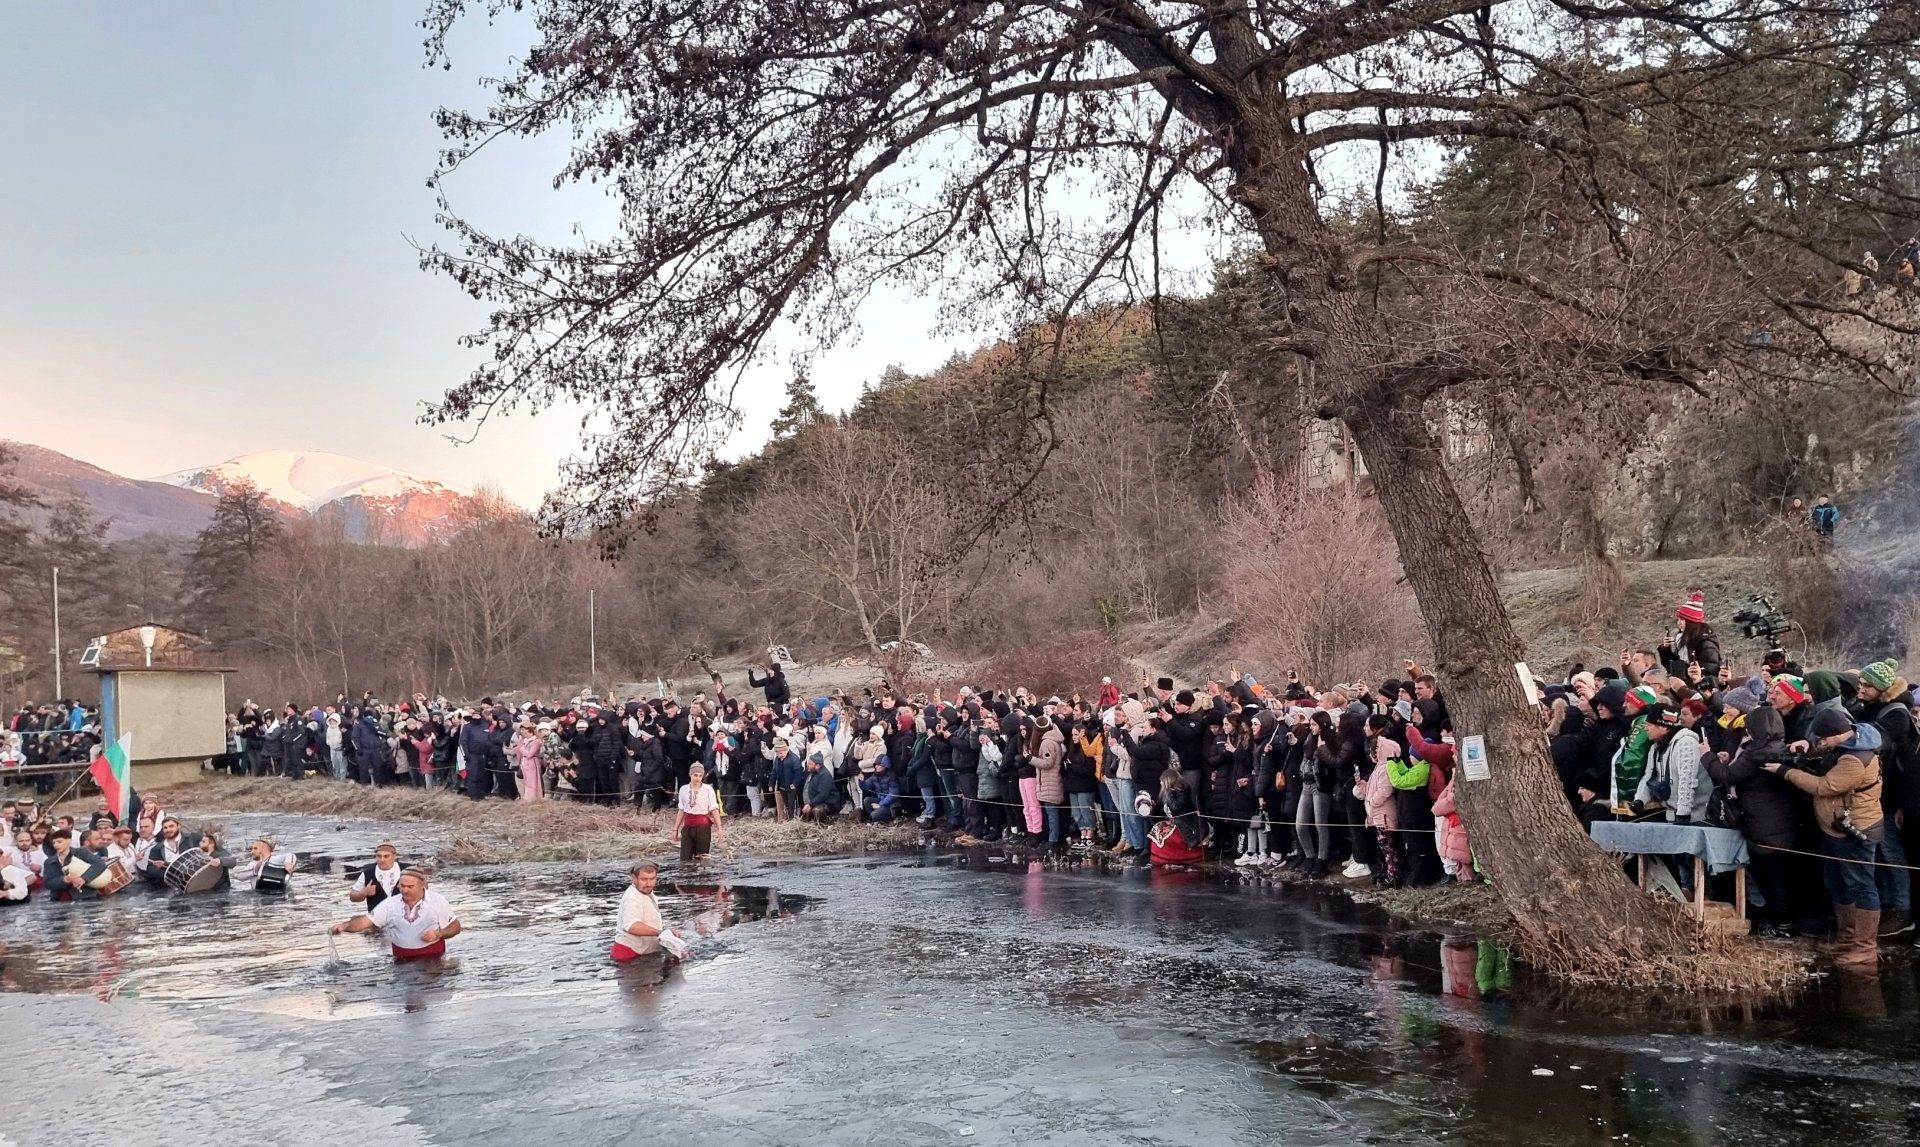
(203, 240)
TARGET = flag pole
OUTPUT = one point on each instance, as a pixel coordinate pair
(59, 694)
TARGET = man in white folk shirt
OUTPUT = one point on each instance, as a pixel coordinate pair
(122, 848)
(417, 922)
(641, 931)
(265, 869)
(378, 880)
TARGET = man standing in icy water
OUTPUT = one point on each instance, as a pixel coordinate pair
(418, 923)
(641, 931)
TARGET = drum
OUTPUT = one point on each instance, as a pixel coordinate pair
(193, 871)
(107, 883)
(118, 876)
(273, 878)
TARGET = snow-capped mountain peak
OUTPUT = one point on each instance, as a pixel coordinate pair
(310, 479)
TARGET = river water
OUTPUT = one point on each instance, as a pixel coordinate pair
(938, 997)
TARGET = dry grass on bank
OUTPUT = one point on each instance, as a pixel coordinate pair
(494, 831)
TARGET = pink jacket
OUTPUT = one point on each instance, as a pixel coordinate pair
(1382, 811)
(1453, 834)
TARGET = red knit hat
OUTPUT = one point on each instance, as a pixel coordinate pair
(1695, 609)
(1794, 687)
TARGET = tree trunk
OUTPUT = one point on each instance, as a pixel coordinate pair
(1574, 905)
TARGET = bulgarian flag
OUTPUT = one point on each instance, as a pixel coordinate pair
(112, 771)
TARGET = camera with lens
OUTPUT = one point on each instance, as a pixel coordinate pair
(1813, 761)
(1761, 619)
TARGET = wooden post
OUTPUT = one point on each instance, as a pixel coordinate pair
(1699, 888)
(1740, 891)
(1642, 859)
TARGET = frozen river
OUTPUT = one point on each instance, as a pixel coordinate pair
(949, 997)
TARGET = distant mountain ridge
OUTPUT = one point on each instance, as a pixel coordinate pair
(376, 503)
(309, 479)
(135, 507)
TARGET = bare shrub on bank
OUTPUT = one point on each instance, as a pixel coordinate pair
(1068, 664)
(1313, 579)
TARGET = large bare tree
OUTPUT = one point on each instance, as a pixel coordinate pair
(779, 160)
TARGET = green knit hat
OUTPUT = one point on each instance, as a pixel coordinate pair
(1880, 674)
(1644, 694)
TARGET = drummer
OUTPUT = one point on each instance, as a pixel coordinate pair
(122, 848)
(261, 861)
(165, 850)
(221, 858)
(378, 880)
(61, 884)
(418, 922)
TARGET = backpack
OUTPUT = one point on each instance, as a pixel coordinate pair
(1724, 811)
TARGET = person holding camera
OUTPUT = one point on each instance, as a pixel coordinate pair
(1840, 770)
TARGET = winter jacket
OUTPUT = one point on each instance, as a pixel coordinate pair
(881, 788)
(1185, 815)
(368, 748)
(53, 876)
(1630, 767)
(1676, 761)
(680, 744)
(1706, 651)
(866, 752)
(1600, 741)
(900, 739)
(1081, 773)
(965, 747)
(1773, 813)
(1899, 750)
(1238, 779)
(788, 772)
(821, 790)
(756, 761)
(651, 769)
(1048, 760)
(1851, 784)
(1453, 834)
(921, 773)
(1187, 736)
(1382, 809)
(1152, 756)
(774, 684)
(991, 770)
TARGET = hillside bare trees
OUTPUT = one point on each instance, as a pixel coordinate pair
(861, 525)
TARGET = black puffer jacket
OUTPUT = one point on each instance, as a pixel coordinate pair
(1185, 815)
(1775, 813)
